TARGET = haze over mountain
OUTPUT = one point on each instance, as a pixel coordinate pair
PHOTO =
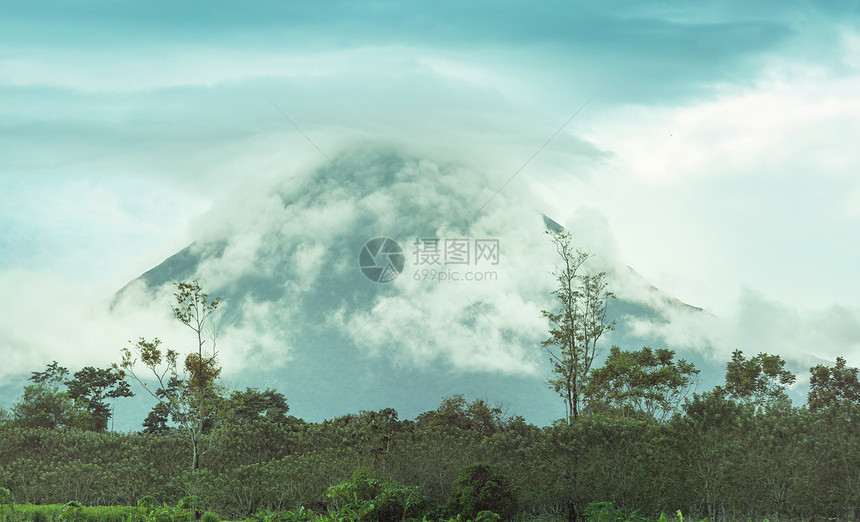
(710, 146)
(300, 315)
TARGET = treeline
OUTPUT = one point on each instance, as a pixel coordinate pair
(633, 435)
(716, 458)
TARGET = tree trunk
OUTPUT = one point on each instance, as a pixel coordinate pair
(195, 455)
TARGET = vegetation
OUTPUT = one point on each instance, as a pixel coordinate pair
(644, 382)
(479, 488)
(635, 446)
(716, 458)
(578, 324)
(760, 380)
(191, 396)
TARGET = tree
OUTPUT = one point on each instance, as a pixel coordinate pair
(157, 419)
(90, 387)
(44, 405)
(760, 380)
(831, 386)
(482, 487)
(190, 395)
(53, 374)
(578, 325)
(708, 441)
(252, 404)
(644, 381)
(456, 412)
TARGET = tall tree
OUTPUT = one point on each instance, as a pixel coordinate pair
(91, 387)
(578, 324)
(830, 386)
(644, 381)
(190, 394)
(759, 380)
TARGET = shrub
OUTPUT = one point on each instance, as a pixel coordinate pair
(300, 515)
(210, 517)
(108, 513)
(603, 512)
(6, 497)
(482, 487)
(370, 496)
(33, 513)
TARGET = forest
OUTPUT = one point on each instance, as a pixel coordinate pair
(718, 458)
(636, 442)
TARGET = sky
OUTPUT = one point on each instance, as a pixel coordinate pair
(710, 145)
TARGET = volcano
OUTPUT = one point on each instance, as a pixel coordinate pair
(452, 304)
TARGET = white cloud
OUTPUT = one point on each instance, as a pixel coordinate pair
(759, 324)
(47, 318)
(747, 183)
(260, 340)
(754, 186)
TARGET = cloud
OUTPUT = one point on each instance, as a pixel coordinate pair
(50, 318)
(800, 335)
(292, 253)
(751, 186)
(714, 152)
(262, 337)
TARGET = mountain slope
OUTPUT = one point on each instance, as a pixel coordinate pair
(299, 314)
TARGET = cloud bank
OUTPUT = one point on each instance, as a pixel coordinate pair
(714, 155)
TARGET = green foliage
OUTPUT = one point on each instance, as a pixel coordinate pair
(481, 487)
(832, 386)
(44, 405)
(603, 512)
(253, 405)
(370, 496)
(33, 513)
(107, 513)
(266, 516)
(579, 322)
(190, 395)
(456, 412)
(72, 511)
(645, 381)
(158, 418)
(210, 517)
(760, 380)
(53, 374)
(299, 515)
(90, 387)
(718, 458)
(63, 512)
(607, 512)
(6, 498)
(149, 510)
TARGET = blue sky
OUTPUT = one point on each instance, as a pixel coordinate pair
(716, 152)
